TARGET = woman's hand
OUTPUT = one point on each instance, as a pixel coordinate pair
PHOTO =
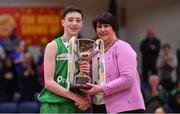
(95, 89)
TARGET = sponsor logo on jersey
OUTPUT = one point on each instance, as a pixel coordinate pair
(61, 80)
(64, 56)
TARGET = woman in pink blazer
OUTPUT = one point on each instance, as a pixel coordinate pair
(121, 91)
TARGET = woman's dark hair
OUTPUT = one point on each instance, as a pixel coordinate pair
(106, 18)
(166, 45)
(71, 9)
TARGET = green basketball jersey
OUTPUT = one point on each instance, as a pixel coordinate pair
(60, 75)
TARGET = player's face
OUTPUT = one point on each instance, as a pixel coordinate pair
(72, 23)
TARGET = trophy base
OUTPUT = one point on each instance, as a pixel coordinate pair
(80, 82)
(76, 89)
(79, 86)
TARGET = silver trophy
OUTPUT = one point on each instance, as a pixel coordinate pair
(88, 50)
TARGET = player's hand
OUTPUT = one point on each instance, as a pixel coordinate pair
(82, 102)
(84, 67)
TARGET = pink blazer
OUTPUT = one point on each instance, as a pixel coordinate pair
(122, 88)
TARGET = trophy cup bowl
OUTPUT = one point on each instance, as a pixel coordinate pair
(86, 49)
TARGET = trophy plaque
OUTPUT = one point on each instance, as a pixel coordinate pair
(84, 49)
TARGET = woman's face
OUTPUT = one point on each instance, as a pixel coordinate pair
(105, 32)
(72, 23)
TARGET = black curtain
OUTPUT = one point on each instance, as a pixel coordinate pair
(113, 8)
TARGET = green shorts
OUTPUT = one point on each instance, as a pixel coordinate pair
(65, 107)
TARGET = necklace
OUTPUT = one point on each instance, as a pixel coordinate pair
(112, 43)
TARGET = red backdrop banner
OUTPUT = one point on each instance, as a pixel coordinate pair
(36, 25)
